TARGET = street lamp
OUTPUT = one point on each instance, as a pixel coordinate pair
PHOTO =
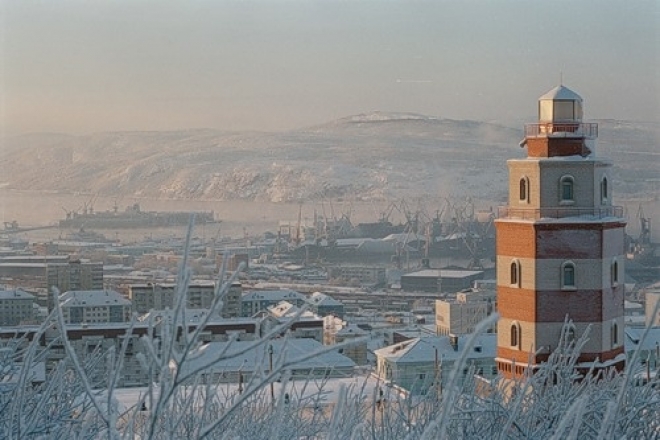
(270, 370)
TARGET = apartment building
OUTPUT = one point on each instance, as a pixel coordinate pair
(199, 295)
(16, 307)
(94, 306)
(45, 272)
(461, 314)
(259, 300)
(365, 275)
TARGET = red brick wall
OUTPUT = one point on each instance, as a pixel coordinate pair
(516, 239)
(568, 243)
(580, 305)
(549, 147)
(518, 304)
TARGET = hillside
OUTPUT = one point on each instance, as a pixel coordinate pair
(375, 156)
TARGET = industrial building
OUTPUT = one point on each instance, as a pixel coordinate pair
(439, 280)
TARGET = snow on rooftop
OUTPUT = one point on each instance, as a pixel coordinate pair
(300, 389)
(422, 350)
(634, 338)
(353, 330)
(436, 273)
(15, 294)
(318, 298)
(272, 295)
(247, 357)
(93, 298)
(561, 93)
(285, 309)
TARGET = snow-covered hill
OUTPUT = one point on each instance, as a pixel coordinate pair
(373, 156)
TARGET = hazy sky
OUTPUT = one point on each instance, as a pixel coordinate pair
(84, 66)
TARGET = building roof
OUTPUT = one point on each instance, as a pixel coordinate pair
(285, 309)
(439, 273)
(92, 298)
(561, 93)
(422, 350)
(166, 285)
(321, 299)
(351, 330)
(273, 295)
(15, 294)
(248, 356)
(26, 265)
(35, 258)
(404, 237)
(379, 247)
(195, 316)
(634, 341)
(351, 242)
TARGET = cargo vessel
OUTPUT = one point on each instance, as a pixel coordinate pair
(133, 217)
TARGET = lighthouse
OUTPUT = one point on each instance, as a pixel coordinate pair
(560, 245)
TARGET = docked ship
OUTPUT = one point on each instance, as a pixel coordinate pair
(133, 217)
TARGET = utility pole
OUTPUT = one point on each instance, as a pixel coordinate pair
(270, 371)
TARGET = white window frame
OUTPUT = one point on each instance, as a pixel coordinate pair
(564, 284)
(604, 190)
(523, 183)
(515, 270)
(516, 331)
(566, 179)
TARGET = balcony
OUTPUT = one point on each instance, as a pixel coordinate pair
(587, 130)
(556, 213)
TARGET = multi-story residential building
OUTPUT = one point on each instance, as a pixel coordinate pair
(252, 362)
(652, 306)
(16, 307)
(423, 365)
(560, 246)
(232, 301)
(439, 280)
(75, 275)
(217, 328)
(324, 305)
(302, 325)
(364, 275)
(256, 301)
(94, 306)
(151, 296)
(460, 315)
(46, 272)
(199, 295)
(91, 340)
(357, 351)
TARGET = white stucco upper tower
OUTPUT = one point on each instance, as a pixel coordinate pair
(560, 130)
(560, 104)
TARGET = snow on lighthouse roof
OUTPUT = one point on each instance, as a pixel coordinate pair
(561, 93)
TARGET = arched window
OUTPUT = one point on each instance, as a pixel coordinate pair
(515, 273)
(568, 275)
(615, 334)
(615, 272)
(603, 190)
(524, 189)
(566, 189)
(515, 335)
